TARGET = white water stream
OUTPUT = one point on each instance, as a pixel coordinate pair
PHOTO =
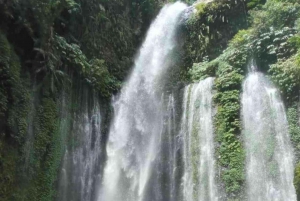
(269, 154)
(131, 172)
(198, 136)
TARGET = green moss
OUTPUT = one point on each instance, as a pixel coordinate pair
(209, 30)
(47, 151)
(28, 172)
(202, 70)
(241, 38)
(14, 104)
(254, 3)
(5, 50)
(294, 128)
(200, 7)
(228, 69)
(8, 165)
(297, 180)
(230, 152)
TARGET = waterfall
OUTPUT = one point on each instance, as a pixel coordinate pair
(132, 170)
(86, 156)
(197, 133)
(169, 159)
(80, 169)
(269, 154)
(173, 147)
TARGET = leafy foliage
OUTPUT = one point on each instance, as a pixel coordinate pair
(94, 71)
(228, 69)
(286, 74)
(47, 151)
(227, 120)
(49, 48)
(200, 8)
(254, 3)
(273, 40)
(209, 29)
(112, 30)
(14, 109)
(276, 14)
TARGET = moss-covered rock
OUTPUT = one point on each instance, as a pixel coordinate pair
(297, 180)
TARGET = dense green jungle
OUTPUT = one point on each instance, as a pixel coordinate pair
(61, 59)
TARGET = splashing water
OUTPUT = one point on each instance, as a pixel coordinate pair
(134, 144)
(197, 132)
(269, 152)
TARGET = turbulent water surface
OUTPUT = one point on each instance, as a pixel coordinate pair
(270, 167)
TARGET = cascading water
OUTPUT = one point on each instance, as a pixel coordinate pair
(82, 160)
(173, 148)
(269, 165)
(169, 160)
(197, 133)
(132, 171)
